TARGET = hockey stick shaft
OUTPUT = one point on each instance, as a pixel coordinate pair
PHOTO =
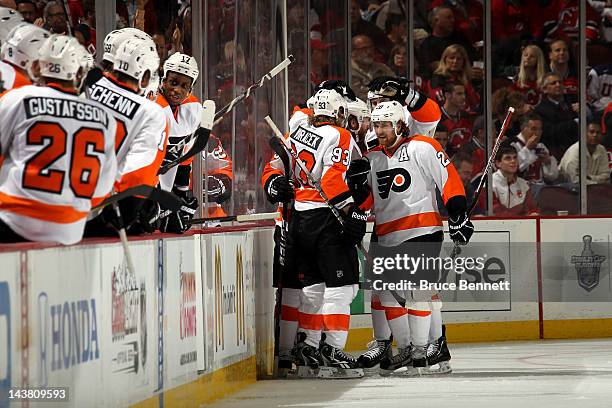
(124, 240)
(487, 169)
(238, 218)
(311, 180)
(230, 106)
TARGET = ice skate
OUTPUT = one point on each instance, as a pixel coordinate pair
(377, 351)
(390, 365)
(308, 359)
(438, 358)
(338, 364)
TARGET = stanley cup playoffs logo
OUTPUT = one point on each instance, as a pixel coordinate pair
(588, 265)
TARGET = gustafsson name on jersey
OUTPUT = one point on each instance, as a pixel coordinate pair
(310, 139)
(115, 101)
(64, 108)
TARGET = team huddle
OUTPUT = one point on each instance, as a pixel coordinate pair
(73, 134)
(377, 157)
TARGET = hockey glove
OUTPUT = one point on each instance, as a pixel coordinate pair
(219, 188)
(398, 89)
(461, 228)
(175, 222)
(146, 219)
(279, 189)
(339, 86)
(354, 225)
(357, 179)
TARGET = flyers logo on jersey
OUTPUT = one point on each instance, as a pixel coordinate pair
(397, 180)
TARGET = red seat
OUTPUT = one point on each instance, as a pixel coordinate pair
(599, 198)
(554, 198)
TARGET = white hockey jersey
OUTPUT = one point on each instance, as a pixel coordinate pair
(600, 86)
(57, 160)
(142, 130)
(183, 121)
(10, 78)
(404, 182)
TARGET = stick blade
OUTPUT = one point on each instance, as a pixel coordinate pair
(276, 145)
(207, 118)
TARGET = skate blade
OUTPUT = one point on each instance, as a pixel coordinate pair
(441, 368)
(339, 373)
(400, 372)
(303, 372)
(371, 371)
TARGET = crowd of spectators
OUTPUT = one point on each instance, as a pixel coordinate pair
(535, 70)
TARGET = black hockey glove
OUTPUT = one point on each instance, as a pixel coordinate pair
(219, 188)
(357, 179)
(398, 89)
(461, 228)
(146, 219)
(175, 222)
(354, 225)
(339, 86)
(279, 190)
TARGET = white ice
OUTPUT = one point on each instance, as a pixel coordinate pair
(544, 374)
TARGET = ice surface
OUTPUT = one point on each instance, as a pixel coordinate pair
(545, 374)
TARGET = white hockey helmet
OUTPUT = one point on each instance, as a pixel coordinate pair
(328, 102)
(22, 46)
(359, 109)
(86, 61)
(60, 57)
(116, 37)
(153, 88)
(9, 19)
(182, 64)
(390, 111)
(135, 57)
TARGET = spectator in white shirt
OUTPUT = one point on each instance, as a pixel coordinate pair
(511, 194)
(536, 164)
(598, 171)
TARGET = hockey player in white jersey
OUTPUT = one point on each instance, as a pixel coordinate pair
(20, 54)
(404, 172)
(57, 151)
(320, 251)
(142, 133)
(9, 19)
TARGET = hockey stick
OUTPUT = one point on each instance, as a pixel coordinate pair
(276, 145)
(456, 249)
(202, 134)
(279, 139)
(124, 240)
(237, 218)
(165, 199)
(228, 108)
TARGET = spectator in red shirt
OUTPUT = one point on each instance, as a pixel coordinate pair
(561, 19)
(454, 118)
(454, 66)
(531, 72)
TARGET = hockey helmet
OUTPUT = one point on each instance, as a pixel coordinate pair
(60, 57)
(113, 40)
(330, 103)
(182, 64)
(22, 46)
(135, 57)
(391, 111)
(9, 19)
(359, 109)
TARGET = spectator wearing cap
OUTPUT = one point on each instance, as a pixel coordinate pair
(559, 117)
(598, 171)
(536, 165)
(560, 64)
(359, 26)
(27, 8)
(364, 66)
(511, 193)
(442, 22)
(55, 18)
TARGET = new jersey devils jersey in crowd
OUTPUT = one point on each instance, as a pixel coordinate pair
(10, 78)
(58, 158)
(459, 129)
(183, 121)
(403, 182)
(142, 131)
